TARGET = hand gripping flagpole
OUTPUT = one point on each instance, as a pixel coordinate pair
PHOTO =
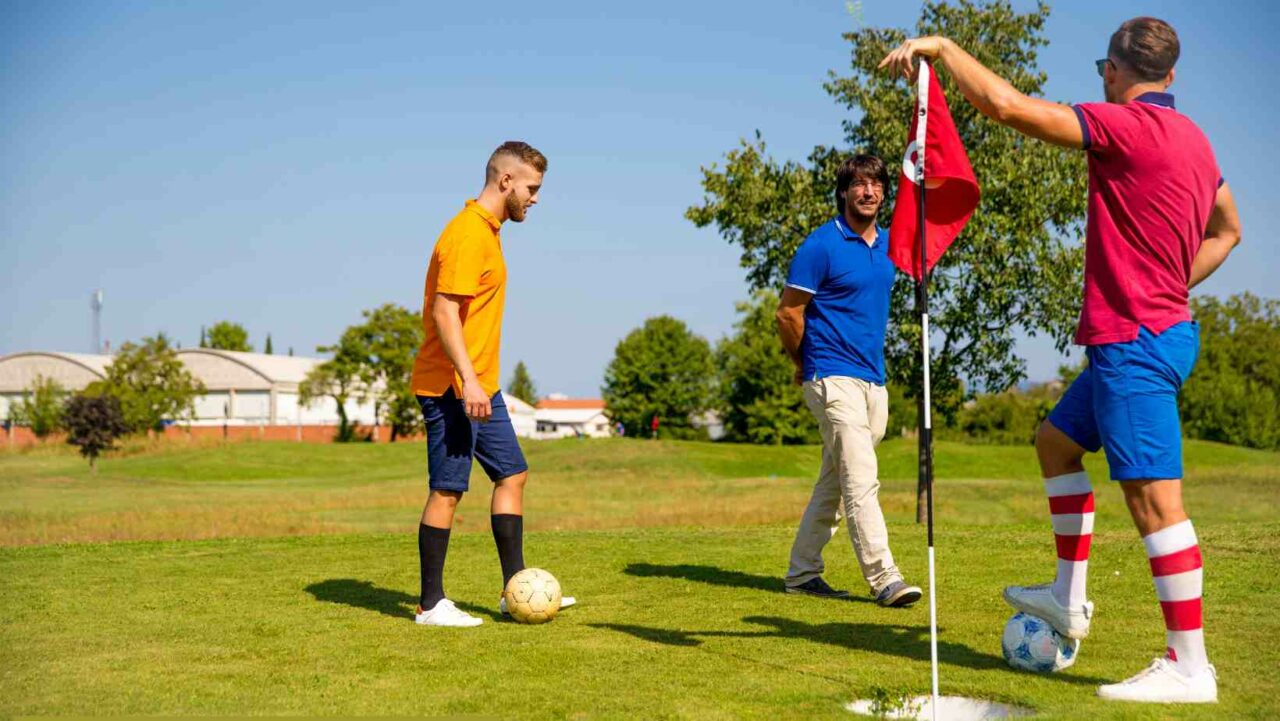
(926, 422)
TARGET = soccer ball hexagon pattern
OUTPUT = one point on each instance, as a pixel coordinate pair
(533, 596)
(1031, 644)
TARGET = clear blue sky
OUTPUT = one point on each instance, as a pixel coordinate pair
(287, 164)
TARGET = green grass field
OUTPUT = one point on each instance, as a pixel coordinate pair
(261, 578)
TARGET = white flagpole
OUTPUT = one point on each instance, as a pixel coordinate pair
(926, 421)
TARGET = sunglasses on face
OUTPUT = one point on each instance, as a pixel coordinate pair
(1102, 66)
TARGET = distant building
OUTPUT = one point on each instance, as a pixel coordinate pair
(561, 417)
(261, 389)
(256, 393)
(523, 416)
(242, 389)
(73, 371)
(709, 420)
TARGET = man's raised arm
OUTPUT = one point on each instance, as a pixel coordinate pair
(991, 94)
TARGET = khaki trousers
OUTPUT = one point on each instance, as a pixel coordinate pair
(852, 414)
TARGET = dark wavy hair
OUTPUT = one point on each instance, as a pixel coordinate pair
(867, 167)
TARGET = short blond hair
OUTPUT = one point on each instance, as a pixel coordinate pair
(519, 150)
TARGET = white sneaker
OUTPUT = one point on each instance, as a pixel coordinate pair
(446, 614)
(1162, 683)
(565, 602)
(1039, 601)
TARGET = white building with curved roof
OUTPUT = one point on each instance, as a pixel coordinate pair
(241, 388)
(261, 389)
(73, 371)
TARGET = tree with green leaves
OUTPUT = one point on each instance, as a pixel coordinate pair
(403, 415)
(1010, 417)
(660, 369)
(41, 408)
(267, 348)
(387, 344)
(93, 423)
(1016, 267)
(1233, 396)
(758, 398)
(337, 378)
(151, 384)
(371, 360)
(225, 335)
(522, 386)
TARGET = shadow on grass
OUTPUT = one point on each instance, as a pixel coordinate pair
(387, 601)
(907, 641)
(363, 594)
(715, 576)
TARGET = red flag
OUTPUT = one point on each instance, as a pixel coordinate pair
(952, 189)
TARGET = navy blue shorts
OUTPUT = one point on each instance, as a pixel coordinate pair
(1126, 401)
(453, 440)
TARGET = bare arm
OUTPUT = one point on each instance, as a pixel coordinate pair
(790, 317)
(446, 313)
(991, 94)
(1220, 237)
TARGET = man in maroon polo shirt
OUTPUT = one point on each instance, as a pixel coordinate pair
(1161, 220)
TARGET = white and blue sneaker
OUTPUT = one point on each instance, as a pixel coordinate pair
(1072, 622)
(898, 594)
(565, 602)
(444, 613)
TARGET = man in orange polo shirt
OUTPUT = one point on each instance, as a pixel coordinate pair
(455, 377)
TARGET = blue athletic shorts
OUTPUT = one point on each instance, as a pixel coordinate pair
(1126, 401)
(453, 440)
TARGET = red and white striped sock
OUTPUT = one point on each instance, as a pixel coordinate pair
(1179, 574)
(1071, 503)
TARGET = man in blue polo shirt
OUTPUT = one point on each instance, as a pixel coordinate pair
(832, 320)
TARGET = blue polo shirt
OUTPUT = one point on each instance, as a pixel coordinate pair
(845, 322)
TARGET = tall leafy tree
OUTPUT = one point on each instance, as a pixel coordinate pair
(151, 384)
(522, 386)
(372, 360)
(267, 347)
(661, 368)
(337, 378)
(757, 395)
(225, 335)
(1015, 269)
(403, 414)
(93, 423)
(1234, 394)
(387, 342)
(41, 407)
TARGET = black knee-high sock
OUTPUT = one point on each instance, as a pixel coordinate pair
(508, 534)
(433, 545)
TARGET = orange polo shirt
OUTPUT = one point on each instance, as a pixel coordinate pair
(467, 261)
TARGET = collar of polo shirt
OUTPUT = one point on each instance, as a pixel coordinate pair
(1164, 100)
(848, 233)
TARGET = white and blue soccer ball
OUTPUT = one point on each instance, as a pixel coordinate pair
(1031, 644)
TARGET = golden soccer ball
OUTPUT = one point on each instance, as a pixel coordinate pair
(533, 596)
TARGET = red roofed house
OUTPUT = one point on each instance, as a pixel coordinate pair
(561, 417)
